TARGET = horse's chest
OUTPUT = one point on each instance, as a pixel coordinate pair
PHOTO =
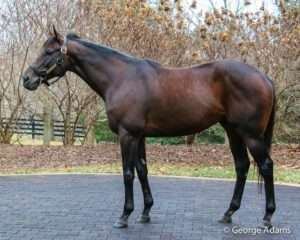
(126, 116)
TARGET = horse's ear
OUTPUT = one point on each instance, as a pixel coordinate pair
(56, 34)
(50, 33)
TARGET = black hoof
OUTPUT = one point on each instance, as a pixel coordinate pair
(267, 224)
(225, 219)
(121, 223)
(144, 219)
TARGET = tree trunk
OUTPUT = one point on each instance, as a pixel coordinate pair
(190, 139)
(226, 140)
(91, 136)
(69, 137)
(48, 124)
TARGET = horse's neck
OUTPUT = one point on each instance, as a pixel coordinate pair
(97, 71)
(97, 82)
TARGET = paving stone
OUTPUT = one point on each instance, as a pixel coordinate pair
(84, 207)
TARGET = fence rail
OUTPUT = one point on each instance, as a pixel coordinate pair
(35, 127)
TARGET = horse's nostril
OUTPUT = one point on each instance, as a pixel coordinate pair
(25, 78)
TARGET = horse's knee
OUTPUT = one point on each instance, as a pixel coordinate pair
(143, 174)
(142, 171)
(242, 169)
(128, 176)
(266, 167)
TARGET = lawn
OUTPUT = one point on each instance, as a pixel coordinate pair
(281, 174)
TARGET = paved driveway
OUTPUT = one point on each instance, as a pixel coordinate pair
(85, 207)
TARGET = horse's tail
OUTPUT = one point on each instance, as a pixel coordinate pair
(268, 135)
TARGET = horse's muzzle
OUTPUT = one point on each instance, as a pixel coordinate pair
(30, 84)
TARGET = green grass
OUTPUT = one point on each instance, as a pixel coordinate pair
(214, 134)
(281, 174)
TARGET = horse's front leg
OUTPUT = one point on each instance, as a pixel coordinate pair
(129, 150)
(142, 171)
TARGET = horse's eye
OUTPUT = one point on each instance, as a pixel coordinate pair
(49, 51)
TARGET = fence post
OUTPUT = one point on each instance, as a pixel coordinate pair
(48, 125)
(32, 128)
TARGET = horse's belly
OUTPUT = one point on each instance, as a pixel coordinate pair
(171, 125)
(159, 132)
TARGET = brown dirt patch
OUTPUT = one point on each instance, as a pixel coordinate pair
(16, 157)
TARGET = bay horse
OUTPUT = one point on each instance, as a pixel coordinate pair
(143, 98)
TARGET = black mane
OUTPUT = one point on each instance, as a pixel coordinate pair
(72, 35)
(106, 51)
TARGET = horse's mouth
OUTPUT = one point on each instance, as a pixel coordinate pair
(32, 85)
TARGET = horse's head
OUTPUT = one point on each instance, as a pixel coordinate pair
(52, 62)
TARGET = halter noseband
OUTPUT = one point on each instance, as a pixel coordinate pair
(59, 61)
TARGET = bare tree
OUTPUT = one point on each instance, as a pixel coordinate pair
(11, 98)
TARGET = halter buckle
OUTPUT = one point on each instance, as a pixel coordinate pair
(64, 48)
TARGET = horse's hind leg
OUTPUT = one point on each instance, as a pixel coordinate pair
(242, 163)
(259, 151)
(142, 171)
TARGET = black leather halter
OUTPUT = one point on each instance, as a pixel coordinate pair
(43, 71)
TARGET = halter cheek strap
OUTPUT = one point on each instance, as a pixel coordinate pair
(58, 62)
(50, 69)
